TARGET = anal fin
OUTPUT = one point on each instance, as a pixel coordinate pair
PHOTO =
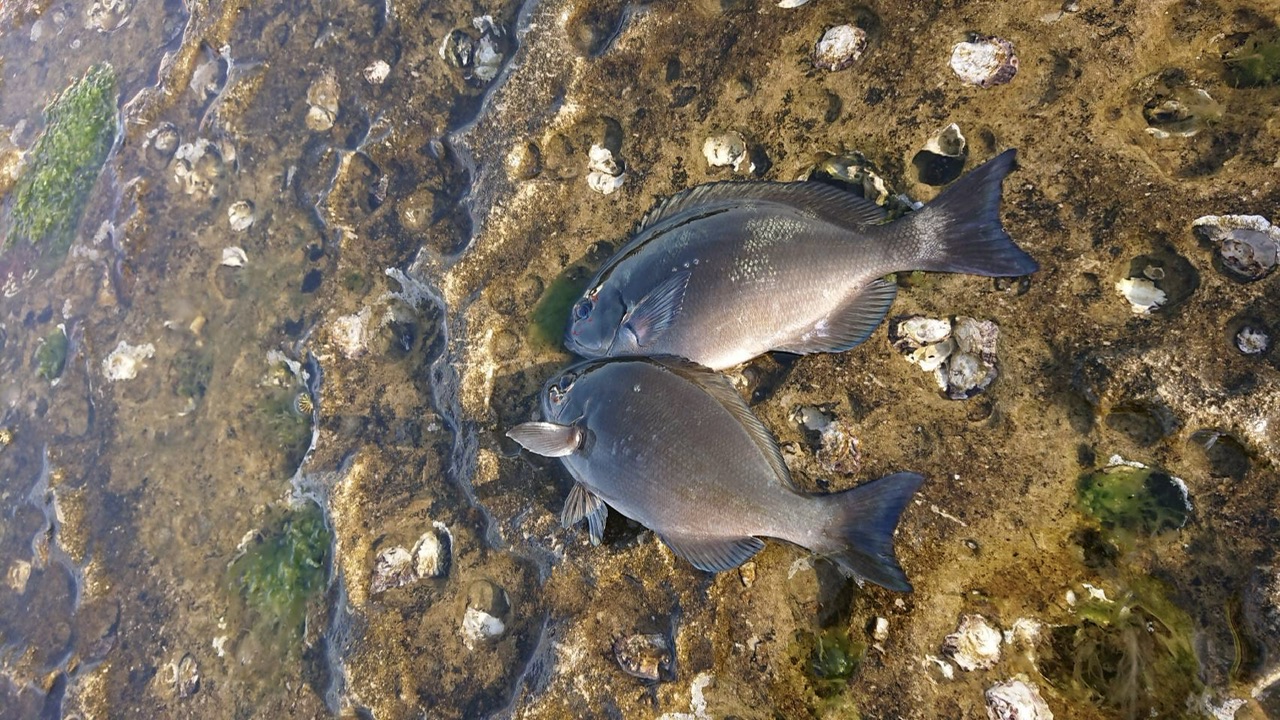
(849, 326)
(582, 503)
(713, 554)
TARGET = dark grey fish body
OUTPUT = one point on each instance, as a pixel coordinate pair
(675, 448)
(728, 271)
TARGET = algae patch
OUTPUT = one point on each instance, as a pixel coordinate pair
(1134, 655)
(51, 355)
(281, 572)
(80, 128)
(1256, 63)
(1129, 499)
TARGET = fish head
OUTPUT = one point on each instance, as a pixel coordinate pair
(594, 323)
(558, 403)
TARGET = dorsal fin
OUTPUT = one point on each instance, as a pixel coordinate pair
(719, 387)
(829, 203)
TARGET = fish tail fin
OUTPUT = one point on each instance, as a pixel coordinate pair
(960, 230)
(860, 532)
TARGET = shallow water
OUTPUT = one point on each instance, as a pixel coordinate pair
(203, 539)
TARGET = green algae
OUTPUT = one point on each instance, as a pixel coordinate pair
(1133, 501)
(51, 355)
(1256, 63)
(192, 371)
(281, 573)
(551, 314)
(80, 128)
(1134, 656)
(282, 416)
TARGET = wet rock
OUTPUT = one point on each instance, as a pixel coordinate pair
(975, 645)
(1247, 246)
(985, 61)
(124, 362)
(839, 47)
(726, 150)
(836, 447)
(1261, 604)
(605, 173)
(1016, 700)
(524, 162)
(107, 15)
(961, 354)
(943, 156)
(487, 604)
(322, 99)
(240, 216)
(647, 656)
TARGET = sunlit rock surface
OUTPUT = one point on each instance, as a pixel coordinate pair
(405, 194)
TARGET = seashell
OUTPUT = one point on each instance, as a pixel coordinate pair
(1016, 700)
(960, 354)
(605, 172)
(975, 645)
(943, 156)
(377, 71)
(727, 150)
(985, 61)
(1253, 340)
(1247, 246)
(646, 656)
(186, 676)
(1142, 294)
(240, 215)
(839, 47)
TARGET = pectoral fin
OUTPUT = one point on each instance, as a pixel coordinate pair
(849, 326)
(656, 311)
(713, 554)
(582, 503)
(547, 439)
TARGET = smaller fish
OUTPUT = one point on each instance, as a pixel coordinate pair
(673, 446)
(724, 272)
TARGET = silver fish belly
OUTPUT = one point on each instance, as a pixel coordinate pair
(724, 272)
(674, 447)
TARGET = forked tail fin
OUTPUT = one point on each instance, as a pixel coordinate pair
(960, 230)
(860, 533)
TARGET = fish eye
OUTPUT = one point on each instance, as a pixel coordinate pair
(582, 310)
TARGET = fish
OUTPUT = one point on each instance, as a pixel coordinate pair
(727, 271)
(673, 446)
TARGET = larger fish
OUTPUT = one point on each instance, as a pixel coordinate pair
(724, 272)
(674, 447)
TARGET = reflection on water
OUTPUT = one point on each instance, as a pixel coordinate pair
(255, 372)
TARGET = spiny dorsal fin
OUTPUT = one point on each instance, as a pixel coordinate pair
(850, 325)
(719, 387)
(827, 202)
(713, 554)
(582, 503)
